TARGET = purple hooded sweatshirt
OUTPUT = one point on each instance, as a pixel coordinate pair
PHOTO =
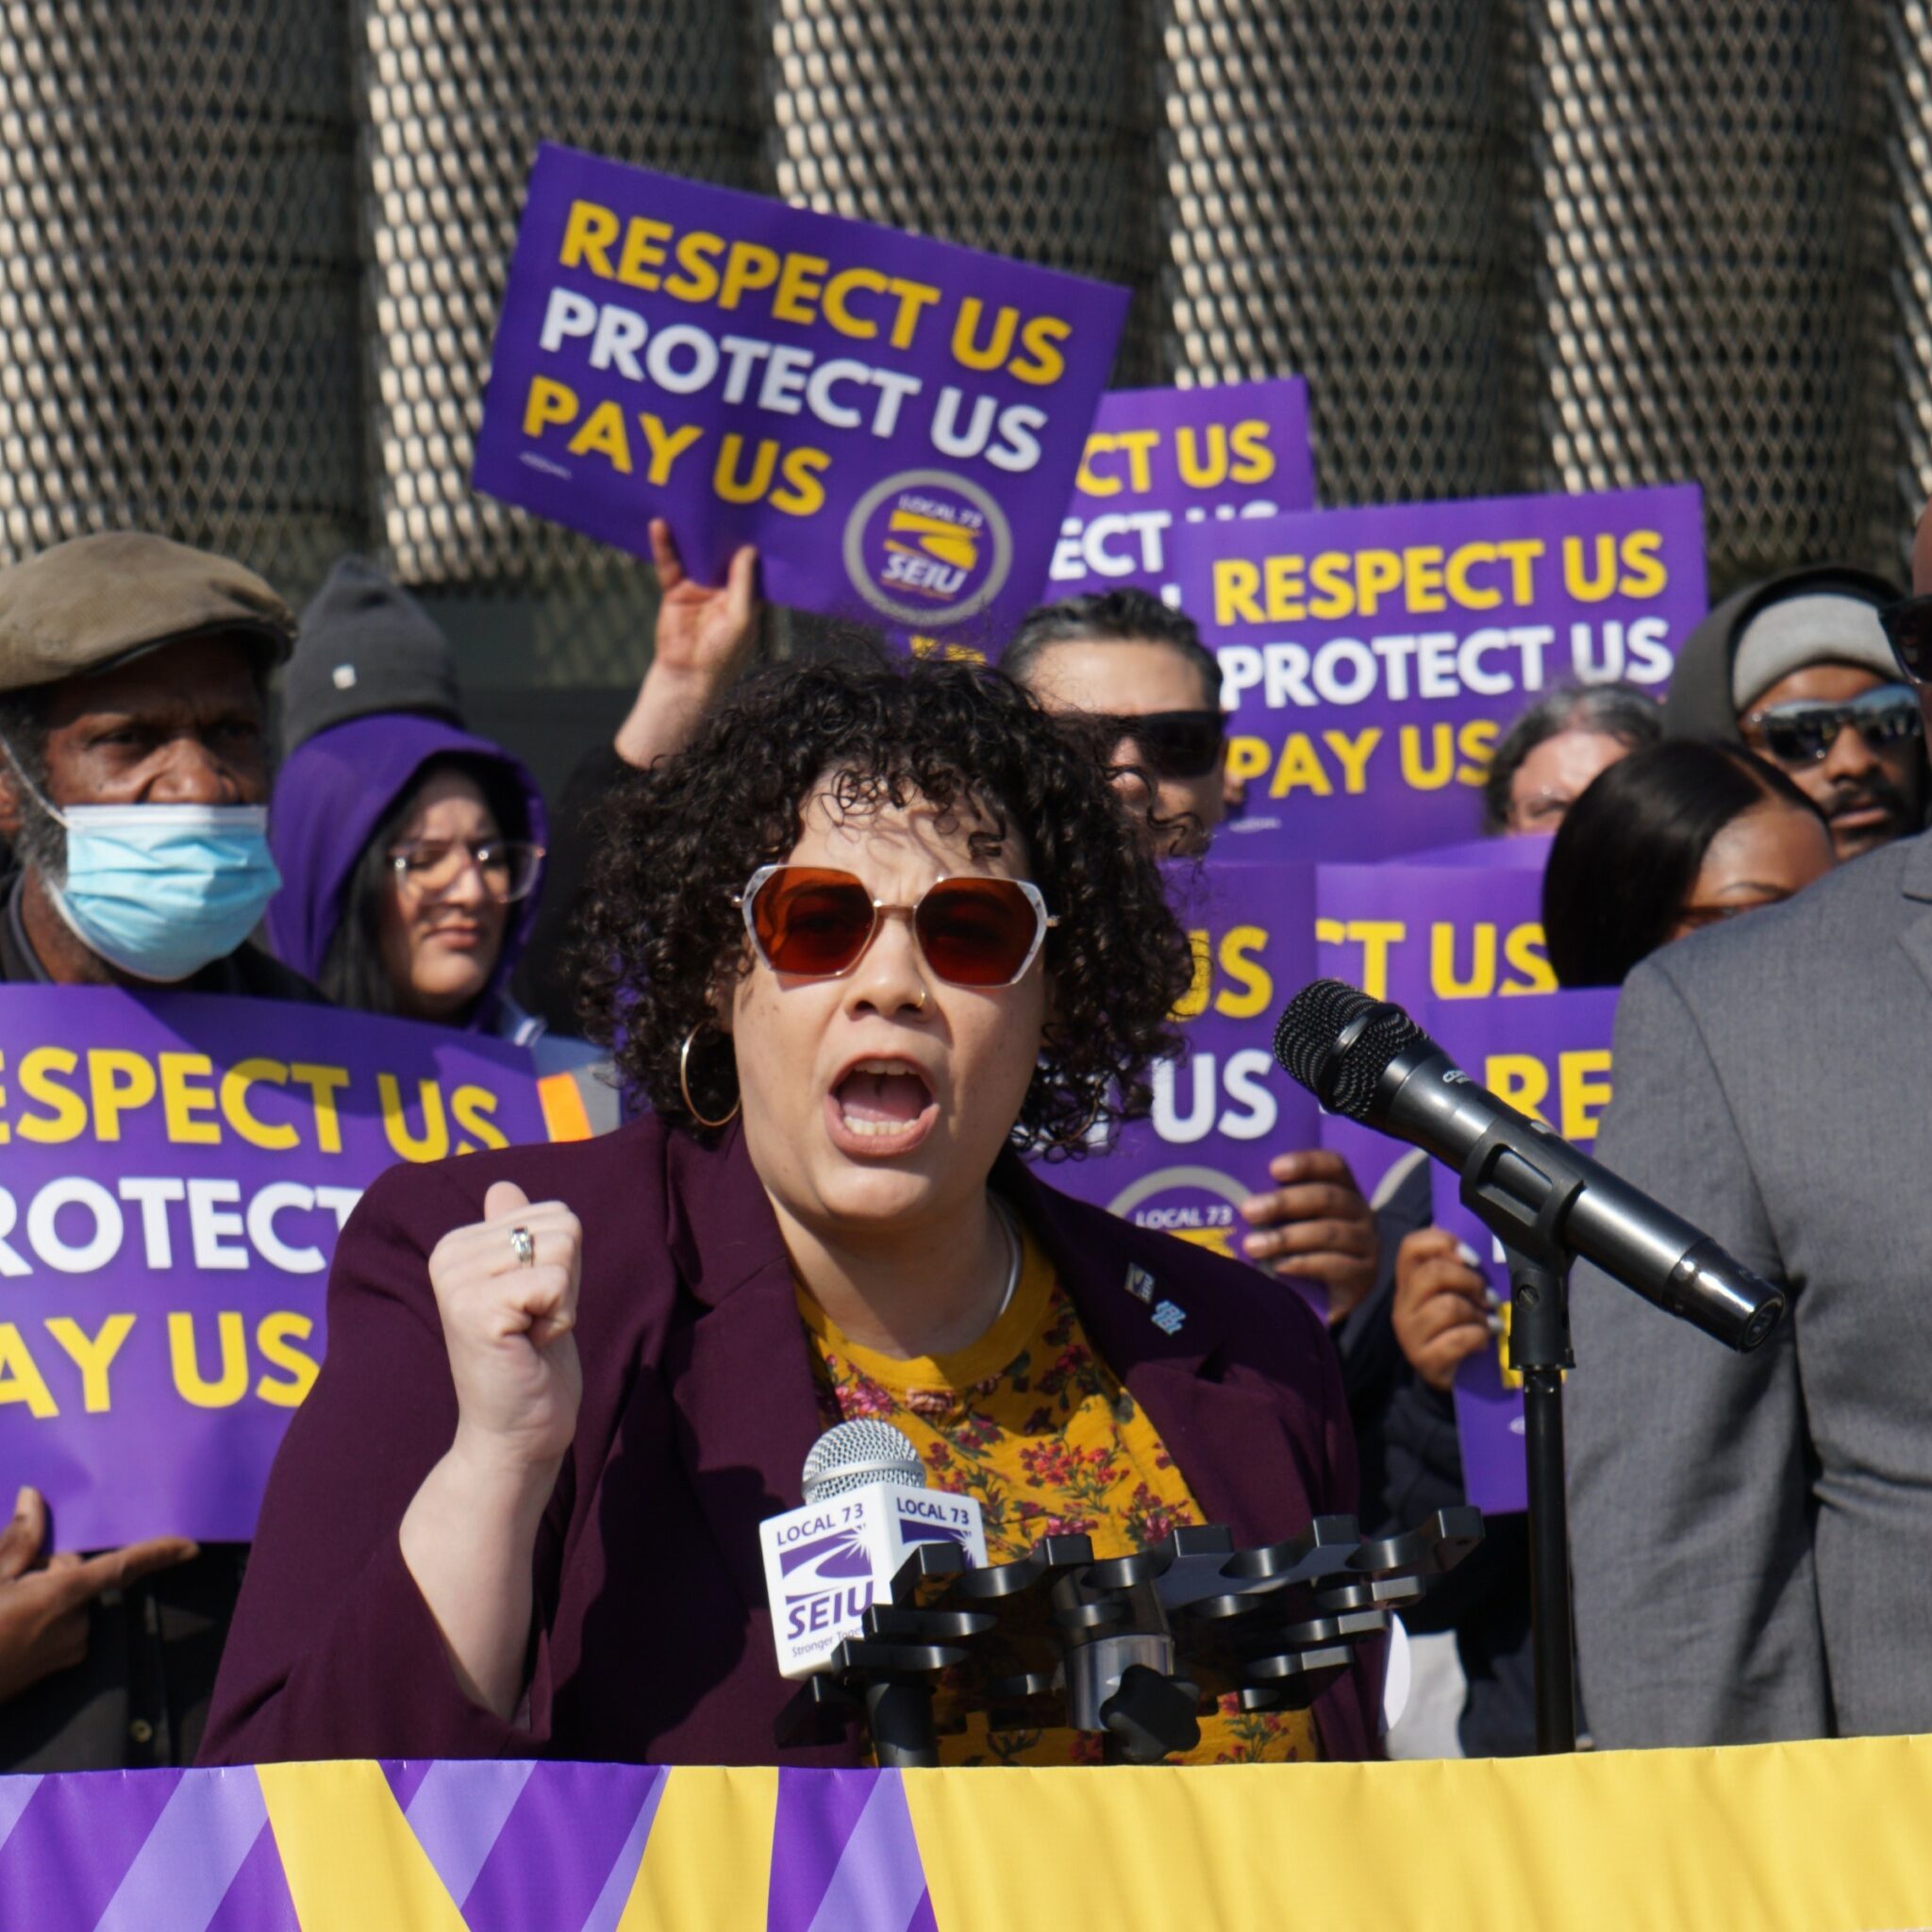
(332, 793)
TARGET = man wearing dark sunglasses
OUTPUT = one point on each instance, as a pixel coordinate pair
(1123, 660)
(1798, 668)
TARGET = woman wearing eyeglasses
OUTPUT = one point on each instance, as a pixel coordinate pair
(872, 935)
(410, 849)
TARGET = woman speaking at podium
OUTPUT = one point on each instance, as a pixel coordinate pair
(871, 938)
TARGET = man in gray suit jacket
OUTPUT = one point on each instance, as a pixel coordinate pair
(1752, 1535)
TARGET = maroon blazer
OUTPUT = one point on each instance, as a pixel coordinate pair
(652, 1641)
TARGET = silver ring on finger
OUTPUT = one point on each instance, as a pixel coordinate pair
(522, 1244)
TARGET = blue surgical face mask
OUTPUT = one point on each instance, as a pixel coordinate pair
(161, 890)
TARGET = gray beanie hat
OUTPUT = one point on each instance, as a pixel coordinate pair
(1815, 628)
(365, 645)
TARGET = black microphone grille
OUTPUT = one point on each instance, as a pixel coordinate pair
(1337, 1042)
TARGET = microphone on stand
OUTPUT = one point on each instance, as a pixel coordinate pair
(1367, 1059)
(866, 1506)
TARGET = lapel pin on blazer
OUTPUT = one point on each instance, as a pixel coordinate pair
(1140, 1283)
(1168, 1319)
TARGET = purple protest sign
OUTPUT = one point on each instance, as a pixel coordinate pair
(1372, 658)
(1463, 926)
(1161, 457)
(177, 1171)
(1550, 1058)
(894, 421)
(1223, 1109)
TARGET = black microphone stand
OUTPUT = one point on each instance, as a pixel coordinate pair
(1539, 1351)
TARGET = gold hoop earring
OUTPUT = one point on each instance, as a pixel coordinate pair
(691, 1106)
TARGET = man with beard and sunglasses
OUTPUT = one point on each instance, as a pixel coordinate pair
(1798, 669)
(1126, 661)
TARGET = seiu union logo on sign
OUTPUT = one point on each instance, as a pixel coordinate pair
(828, 1581)
(927, 548)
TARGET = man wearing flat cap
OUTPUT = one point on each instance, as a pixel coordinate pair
(135, 768)
(134, 780)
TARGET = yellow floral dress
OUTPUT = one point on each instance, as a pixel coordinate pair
(1031, 1423)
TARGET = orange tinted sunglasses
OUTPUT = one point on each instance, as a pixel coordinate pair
(815, 922)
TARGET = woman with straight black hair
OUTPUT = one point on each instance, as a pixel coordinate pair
(1671, 839)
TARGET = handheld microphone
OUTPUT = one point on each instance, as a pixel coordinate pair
(1367, 1059)
(866, 1506)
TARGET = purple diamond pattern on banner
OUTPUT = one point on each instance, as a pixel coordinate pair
(457, 1814)
(184, 1870)
(184, 1851)
(603, 1813)
(844, 1856)
(43, 1885)
(259, 1899)
(404, 1775)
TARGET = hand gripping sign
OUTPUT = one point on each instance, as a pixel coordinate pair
(173, 1173)
(1373, 657)
(894, 421)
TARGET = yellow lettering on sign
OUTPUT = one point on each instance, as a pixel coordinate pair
(1238, 948)
(182, 1102)
(231, 1383)
(432, 1143)
(234, 1099)
(1582, 1091)
(324, 1084)
(93, 1355)
(67, 1120)
(118, 1082)
(21, 1379)
(275, 1338)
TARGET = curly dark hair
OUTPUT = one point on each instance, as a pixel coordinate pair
(660, 930)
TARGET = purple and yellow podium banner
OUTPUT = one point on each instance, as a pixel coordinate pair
(1814, 1838)
(174, 1172)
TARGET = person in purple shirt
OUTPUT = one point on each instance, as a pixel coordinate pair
(874, 937)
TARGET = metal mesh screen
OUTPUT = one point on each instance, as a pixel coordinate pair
(177, 299)
(1330, 206)
(453, 100)
(1701, 295)
(1512, 244)
(1019, 125)
(1895, 189)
